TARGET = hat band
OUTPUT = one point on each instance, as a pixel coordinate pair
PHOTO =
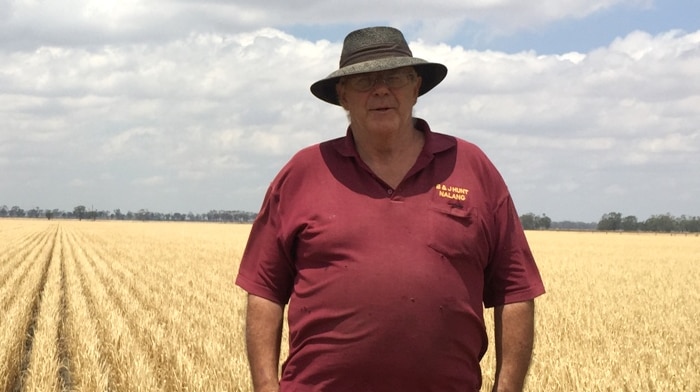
(375, 52)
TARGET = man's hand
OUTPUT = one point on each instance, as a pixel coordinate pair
(514, 334)
(263, 338)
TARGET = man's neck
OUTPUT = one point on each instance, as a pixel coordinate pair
(388, 146)
(390, 157)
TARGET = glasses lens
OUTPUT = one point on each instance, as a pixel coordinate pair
(362, 83)
(392, 80)
(396, 80)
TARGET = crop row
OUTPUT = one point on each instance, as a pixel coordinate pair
(81, 311)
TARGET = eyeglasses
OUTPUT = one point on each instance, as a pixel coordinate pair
(366, 82)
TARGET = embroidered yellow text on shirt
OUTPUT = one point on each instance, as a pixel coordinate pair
(452, 192)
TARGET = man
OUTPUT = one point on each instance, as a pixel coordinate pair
(386, 243)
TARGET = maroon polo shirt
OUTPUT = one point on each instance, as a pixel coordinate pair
(386, 286)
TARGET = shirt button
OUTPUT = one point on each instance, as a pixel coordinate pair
(390, 191)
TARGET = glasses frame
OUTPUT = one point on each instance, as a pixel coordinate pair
(391, 79)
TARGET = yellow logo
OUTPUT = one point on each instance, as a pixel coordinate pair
(452, 192)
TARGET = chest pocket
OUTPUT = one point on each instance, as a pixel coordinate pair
(456, 232)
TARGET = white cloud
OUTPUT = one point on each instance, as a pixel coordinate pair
(613, 119)
(88, 22)
(193, 109)
(127, 141)
(149, 181)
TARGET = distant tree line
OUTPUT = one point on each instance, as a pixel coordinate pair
(666, 223)
(615, 221)
(531, 221)
(81, 212)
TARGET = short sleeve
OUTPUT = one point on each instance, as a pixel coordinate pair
(266, 268)
(512, 274)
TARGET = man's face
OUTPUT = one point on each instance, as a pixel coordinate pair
(380, 101)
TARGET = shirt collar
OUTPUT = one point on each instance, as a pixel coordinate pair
(434, 142)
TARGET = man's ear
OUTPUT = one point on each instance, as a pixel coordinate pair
(419, 81)
(340, 92)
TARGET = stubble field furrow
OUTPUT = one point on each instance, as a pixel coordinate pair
(89, 366)
(151, 306)
(15, 251)
(16, 261)
(144, 318)
(619, 314)
(44, 357)
(130, 364)
(18, 232)
(171, 302)
(173, 308)
(21, 313)
(64, 359)
(178, 342)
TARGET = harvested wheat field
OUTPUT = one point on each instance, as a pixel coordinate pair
(146, 306)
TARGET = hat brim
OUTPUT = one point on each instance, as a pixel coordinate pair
(431, 74)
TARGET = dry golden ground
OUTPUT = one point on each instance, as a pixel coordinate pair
(129, 306)
(620, 314)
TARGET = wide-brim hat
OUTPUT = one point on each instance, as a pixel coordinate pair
(377, 49)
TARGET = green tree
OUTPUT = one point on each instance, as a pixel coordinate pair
(528, 221)
(17, 212)
(531, 221)
(690, 223)
(661, 223)
(34, 212)
(629, 223)
(610, 222)
(79, 212)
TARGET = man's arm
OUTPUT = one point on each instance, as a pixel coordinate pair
(263, 338)
(514, 334)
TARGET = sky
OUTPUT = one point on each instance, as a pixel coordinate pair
(585, 106)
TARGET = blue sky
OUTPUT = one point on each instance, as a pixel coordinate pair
(559, 36)
(585, 106)
(597, 30)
